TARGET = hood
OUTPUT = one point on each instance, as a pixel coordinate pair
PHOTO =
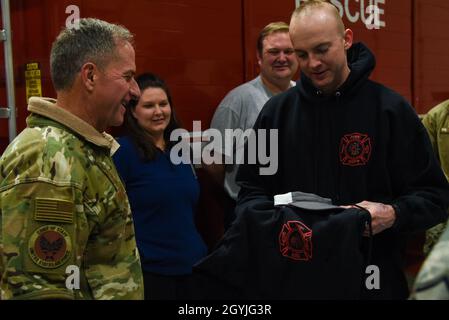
(48, 108)
(361, 62)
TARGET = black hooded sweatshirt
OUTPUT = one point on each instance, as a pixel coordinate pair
(363, 142)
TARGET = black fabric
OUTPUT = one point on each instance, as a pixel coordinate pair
(163, 287)
(364, 142)
(303, 200)
(229, 211)
(249, 262)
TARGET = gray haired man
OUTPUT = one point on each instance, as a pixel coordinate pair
(66, 225)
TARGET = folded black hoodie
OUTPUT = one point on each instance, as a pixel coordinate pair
(287, 253)
(364, 142)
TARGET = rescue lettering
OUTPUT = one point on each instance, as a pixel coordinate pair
(370, 12)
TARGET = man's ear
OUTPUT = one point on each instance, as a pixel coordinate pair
(348, 38)
(259, 58)
(89, 75)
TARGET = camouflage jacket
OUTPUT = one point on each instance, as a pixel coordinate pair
(433, 279)
(66, 226)
(436, 122)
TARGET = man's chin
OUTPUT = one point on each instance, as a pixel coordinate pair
(119, 117)
(321, 85)
(285, 72)
(117, 122)
(282, 76)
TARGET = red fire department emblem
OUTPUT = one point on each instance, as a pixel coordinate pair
(355, 149)
(295, 241)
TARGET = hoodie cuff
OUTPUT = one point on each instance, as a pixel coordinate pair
(397, 212)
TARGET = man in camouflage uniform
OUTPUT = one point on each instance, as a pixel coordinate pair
(433, 279)
(436, 122)
(64, 211)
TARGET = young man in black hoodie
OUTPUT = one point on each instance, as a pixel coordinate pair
(345, 137)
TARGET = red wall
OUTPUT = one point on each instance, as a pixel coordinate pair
(431, 53)
(204, 48)
(195, 45)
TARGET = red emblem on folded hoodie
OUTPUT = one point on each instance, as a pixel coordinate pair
(295, 241)
(355, 149)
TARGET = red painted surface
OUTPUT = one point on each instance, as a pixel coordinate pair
(431, 48)
(204, 48)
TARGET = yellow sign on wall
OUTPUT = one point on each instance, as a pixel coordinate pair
(33, 80)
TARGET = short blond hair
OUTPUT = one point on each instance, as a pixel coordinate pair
(270, 29)
(308, 5)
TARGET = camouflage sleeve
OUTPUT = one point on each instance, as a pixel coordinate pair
(2, 268)
(431, 127)
(432, 236)
(37, 239)
(432, 282)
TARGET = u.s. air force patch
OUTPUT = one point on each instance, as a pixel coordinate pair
(50, 246)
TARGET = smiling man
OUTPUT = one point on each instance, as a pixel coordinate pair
(64, 211)
(241, 106)
(350, 139)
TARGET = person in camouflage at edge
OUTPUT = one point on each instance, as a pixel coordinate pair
(433, 278)
(436, 122)
(62, 203)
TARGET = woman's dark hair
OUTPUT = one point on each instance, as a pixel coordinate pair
(141, 138)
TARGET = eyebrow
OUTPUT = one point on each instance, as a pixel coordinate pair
(328, 43)
(129, 73)
(318, 46)
(280, 49)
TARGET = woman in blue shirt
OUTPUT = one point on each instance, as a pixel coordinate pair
(163, 196)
